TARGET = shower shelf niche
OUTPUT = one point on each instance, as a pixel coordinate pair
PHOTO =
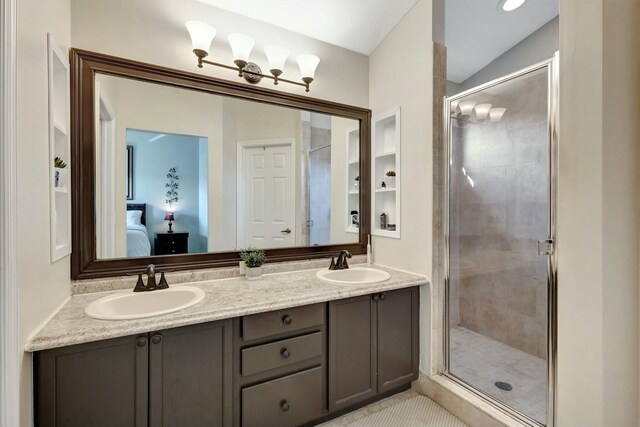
(385, 158)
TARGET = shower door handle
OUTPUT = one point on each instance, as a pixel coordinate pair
(546, 247)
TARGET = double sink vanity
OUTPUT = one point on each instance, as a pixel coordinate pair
(293, 349)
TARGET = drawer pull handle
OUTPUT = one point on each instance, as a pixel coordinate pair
(376, 297)
(141, 342)
(284, 405)
(286, 319)
(156, 339)
(383, 297)
(285, 353)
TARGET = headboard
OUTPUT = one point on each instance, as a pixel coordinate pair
(139, 207)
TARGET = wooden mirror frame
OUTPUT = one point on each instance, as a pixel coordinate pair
(84, 66)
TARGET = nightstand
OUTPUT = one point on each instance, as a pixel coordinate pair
(171, 243)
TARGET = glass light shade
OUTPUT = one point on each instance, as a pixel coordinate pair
(482, 110)
(308, 64)
(511, 5)
(202, 34)
(241, 46)
(277, 56)
(466, 107)
(495, 114)
(453, 107)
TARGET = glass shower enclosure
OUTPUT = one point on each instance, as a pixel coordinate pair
(500, 222)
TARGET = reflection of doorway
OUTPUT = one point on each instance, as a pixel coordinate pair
(266, 202)
(320, 195)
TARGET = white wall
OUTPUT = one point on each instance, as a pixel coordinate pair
(153, 31)
(43, 286)
(391, 86)
(540, 45)
(598, 214)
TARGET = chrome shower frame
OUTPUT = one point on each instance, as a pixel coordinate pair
(552, 67)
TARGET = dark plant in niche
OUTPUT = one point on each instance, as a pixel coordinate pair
(59, 163)
(172, 185)
(390, 173)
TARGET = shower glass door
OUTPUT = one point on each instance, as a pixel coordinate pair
(499, 217)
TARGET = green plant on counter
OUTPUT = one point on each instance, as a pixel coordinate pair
(391, 173)
(357, 178)
(253, 257)
(59, 163)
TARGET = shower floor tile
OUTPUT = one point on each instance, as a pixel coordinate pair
(481, 362)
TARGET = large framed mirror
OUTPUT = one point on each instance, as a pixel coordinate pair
(183, 170)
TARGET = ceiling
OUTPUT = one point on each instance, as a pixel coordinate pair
(477, 32)
(357, 25)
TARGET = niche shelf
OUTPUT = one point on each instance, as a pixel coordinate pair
(353, 171)
(59, 179)
(386, 157)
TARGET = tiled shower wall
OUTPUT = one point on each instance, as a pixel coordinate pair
(498, 212)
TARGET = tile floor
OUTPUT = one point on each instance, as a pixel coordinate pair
(481, 361)
(408, 409)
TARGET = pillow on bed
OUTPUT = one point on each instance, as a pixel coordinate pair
(134, 217)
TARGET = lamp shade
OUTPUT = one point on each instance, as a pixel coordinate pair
(466, 107)
(495, 114)
(202, 34)
(277, 56)
(168, 216)
(482, 110)
(241, 46)
(308, 64)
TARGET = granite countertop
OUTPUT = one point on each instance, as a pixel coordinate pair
(224, 299)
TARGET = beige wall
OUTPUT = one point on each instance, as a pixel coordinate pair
(43, 286)
(598, 213)
(153, 31)
(391, 86)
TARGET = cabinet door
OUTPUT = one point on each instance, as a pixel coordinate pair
(101, 384)
(190, 376)
(352, 351)
(398, 338)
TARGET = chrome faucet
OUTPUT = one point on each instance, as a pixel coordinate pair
(341, 263)
(151, 281)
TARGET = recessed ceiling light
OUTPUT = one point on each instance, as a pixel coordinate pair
(510, 5)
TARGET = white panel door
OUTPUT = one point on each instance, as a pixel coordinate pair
(269, 203)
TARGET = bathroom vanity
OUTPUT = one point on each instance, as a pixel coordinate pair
(290, 350)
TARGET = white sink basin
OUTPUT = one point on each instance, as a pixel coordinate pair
(353, 275)
(130, 305)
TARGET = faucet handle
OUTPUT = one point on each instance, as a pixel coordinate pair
(163, 282)
(140, 287)
(333, 263)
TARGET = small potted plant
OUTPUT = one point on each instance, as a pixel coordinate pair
(253, 260)
(357, 181)
(391, 179)
(60, 175)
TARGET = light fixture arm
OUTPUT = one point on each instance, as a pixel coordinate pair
(306, 81)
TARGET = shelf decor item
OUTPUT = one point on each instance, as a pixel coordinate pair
(253, 260)
(60, 174)
(391, 179)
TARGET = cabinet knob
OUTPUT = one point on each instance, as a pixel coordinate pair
(376, 297)
(141, 342)
(383, 296)
(284, 405)
(156, 339)
(285, 353)
(286, 319)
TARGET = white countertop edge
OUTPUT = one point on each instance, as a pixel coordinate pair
(46, 340)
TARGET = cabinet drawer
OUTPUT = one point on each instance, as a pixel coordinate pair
(281, 353)
(277, 322)
(285, 402)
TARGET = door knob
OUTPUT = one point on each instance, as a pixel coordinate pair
(286, 230)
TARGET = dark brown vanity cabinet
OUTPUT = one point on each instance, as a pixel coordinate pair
(373, 346)
(179, 377)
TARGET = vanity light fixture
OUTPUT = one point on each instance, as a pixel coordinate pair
(510, 5)
(202, 35)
